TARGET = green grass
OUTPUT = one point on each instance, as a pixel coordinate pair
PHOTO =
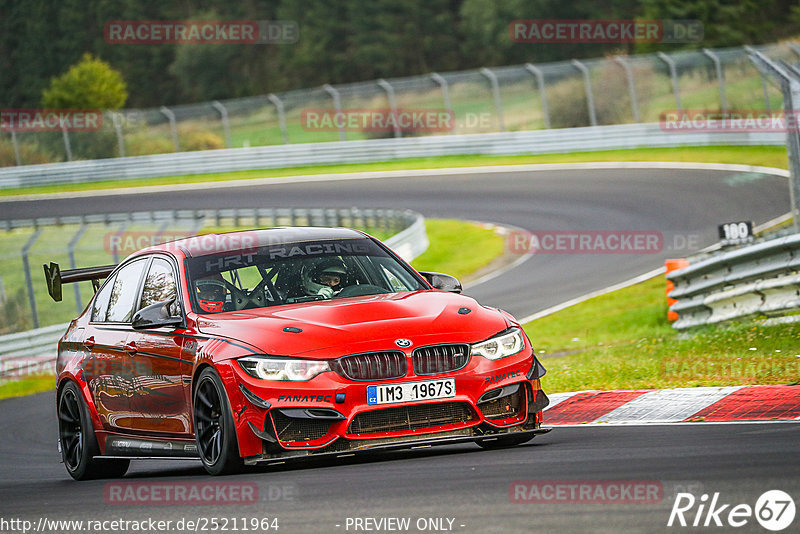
(769, 156)
(27, 386)
(622, 340)
(458, 248)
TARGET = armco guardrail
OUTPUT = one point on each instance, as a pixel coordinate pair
(25, 352)
(762, 279)
(32, 352)
(623, 136)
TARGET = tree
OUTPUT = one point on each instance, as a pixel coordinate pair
(89, 84)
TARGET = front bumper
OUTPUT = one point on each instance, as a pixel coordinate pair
(329, 415)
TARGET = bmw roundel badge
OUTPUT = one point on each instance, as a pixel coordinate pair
(402, 343)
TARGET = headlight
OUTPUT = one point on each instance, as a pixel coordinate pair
(500, 346)
(272, 368)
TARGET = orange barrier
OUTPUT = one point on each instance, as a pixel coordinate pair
(673, 265)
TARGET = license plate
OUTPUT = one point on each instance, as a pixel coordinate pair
(411, 391)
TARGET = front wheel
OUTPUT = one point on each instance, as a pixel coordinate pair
(502, 442)
(78, 442)
(213, 426)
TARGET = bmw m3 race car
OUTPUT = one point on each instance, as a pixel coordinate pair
(281, 343)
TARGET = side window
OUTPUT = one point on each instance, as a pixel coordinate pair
(124, 293)
(160, 285)
(100, 306)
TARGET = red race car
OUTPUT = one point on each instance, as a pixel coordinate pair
(272, 344)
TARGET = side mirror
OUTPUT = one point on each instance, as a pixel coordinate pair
(445, 282)
(155, 316)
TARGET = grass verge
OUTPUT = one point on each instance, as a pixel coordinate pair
(768, 156)
(622, 340)
(27, 386)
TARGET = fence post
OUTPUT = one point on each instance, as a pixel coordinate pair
(67, 145)
(674, 75)
(115, 250)
(28, 282)
(439, 79)
(115, 118)
(536, 71)
(589, 94)
(386, 86)
(764, 87)
(492, 77)
(337, 105)
(281, 116)
(15, 144)
(631, 86)
(720, 78)
(172, 126)
(226, 125)
(73, 264)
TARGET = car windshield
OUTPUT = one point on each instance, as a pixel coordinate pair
(289, 273)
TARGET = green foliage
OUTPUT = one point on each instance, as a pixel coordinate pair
(89, 84)
(340, 41)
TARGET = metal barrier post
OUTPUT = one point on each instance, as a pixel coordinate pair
(536, 71)
(720, 78)
(439, 79)
(15, 144)
(337, 105)
(73, 264)
(281, 116)
(67, 145)
(226, 125)
(673, 73)
(173, 126)
(589, 94)
(115, 118)
(623, 62)
(386, 86)
(789, 81)
(28, 281)
(498, 105)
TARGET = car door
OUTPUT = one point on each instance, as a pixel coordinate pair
(107, 367)
(162, 369)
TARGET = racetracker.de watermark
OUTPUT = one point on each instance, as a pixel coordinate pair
(378, 120)
(599, 242)
(586, 492)
(50, 120)
(605, 31)
(201, 32)
(129, 242)
(734, 120)
(195, 493)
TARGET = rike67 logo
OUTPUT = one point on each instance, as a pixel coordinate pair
(774, 510)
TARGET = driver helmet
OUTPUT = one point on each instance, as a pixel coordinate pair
(327, 273)
(211, 293)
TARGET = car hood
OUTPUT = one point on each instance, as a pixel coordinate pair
(358, 324)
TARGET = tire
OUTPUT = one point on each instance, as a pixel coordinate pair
(503, 442)
(214, 430)
(78, 442)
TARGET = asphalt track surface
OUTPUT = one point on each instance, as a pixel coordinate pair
(462, 482)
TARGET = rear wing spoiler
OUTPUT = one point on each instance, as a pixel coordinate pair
(55, 277)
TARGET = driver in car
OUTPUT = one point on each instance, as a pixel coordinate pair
(211, 293)
(326, 279)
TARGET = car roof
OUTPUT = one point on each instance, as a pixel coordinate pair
(206, 244)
